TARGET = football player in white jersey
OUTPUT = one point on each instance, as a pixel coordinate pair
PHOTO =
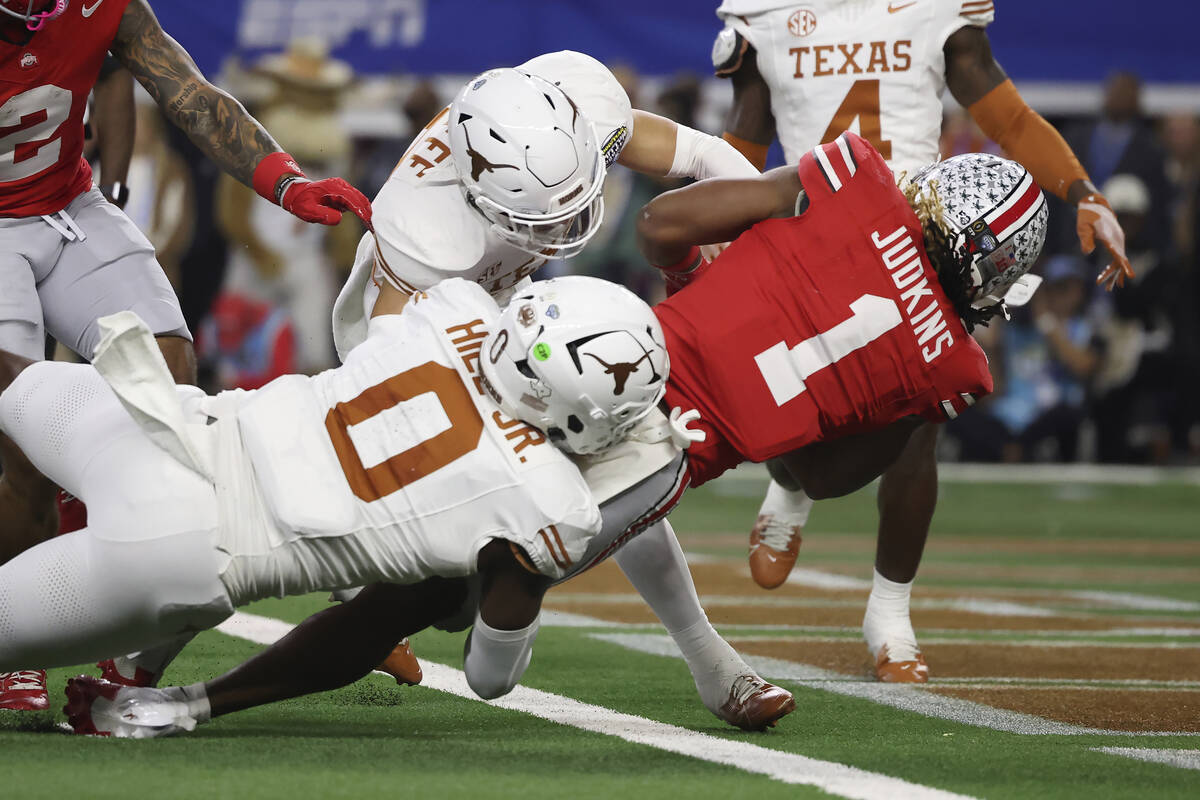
(506, 177)
(399, 466)
(807, 71)
(435, 218)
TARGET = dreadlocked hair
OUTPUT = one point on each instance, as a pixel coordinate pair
(952, 265)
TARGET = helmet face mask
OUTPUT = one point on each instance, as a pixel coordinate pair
(528, 161)
(582, 359)
(34, 13)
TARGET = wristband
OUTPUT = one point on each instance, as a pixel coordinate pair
(1094, 197)
(116, 192)
(689, 263)
(270, 170)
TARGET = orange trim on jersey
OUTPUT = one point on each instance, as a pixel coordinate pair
(1005, 116)
(400, 285)
(560, 556)
(754, 152)
(416, 139)
(522, 559)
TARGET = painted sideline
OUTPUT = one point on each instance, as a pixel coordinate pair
(829, 776)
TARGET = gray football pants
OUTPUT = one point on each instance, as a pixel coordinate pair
(51, 283)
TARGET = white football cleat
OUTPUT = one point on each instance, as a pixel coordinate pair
(892, 642)
(100, 708)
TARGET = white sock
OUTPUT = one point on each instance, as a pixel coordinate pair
(654, 563)
(887, 620)
(788, 508)
(195, 697)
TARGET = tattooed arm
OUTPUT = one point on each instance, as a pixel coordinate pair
(221, 127)
(217, 123)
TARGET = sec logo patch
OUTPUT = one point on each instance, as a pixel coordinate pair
(802, 22)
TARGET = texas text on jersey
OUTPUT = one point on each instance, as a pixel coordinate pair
(873, 67)
(825, 324)
(44, 87)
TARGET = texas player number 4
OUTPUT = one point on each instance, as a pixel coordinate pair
(861, 103)
(30, 140)
(786, 369)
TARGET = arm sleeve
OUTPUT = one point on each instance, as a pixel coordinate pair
(700, 156)
(1005, 116)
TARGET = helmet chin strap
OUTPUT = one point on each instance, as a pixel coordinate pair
(35, 22)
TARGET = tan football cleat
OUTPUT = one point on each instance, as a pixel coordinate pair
(888, 671)
(402, 665)
(755, 705)
(773, 551)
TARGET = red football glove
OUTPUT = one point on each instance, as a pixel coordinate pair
(278, 178)
(1095, 220)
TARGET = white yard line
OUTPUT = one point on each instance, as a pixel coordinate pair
(905, 698)
(958, 640)
(1137, 602)
(1187, 759)
(829, 776)
(567, 619)
(1040, 474)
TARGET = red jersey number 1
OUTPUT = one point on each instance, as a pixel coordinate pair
(786, 369)
(30, 139)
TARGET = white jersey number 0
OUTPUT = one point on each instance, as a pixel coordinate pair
(785, 369)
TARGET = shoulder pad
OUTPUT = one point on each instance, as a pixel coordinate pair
(728, 51)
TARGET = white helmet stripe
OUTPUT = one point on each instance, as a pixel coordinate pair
(1014, 197)
(1020, 213)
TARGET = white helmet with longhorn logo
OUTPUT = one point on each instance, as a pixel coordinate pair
(529, 161)
(580, 358)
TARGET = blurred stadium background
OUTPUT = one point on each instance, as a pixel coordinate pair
(345, 86)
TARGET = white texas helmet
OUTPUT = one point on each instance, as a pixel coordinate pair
(529, 161)
(997, 216)
(580, 358)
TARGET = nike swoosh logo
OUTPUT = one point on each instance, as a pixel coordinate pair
(89, 10)
(892, 7)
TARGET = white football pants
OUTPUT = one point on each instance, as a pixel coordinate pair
(145, 569)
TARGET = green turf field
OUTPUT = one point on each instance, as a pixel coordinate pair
(1139, 547)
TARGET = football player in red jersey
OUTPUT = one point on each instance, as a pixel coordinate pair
(784, 86)
(67, 255)
(836, 323)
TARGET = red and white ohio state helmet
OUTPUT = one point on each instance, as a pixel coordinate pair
(34, 13)
(997, 215)
(580, 358)
(529, 161)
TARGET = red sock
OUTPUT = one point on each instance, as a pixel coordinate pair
(72, 513)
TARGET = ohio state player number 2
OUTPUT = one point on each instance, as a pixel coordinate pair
(786, 369)
(30, 140)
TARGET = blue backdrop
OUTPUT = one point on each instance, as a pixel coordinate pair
(1076, 40)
